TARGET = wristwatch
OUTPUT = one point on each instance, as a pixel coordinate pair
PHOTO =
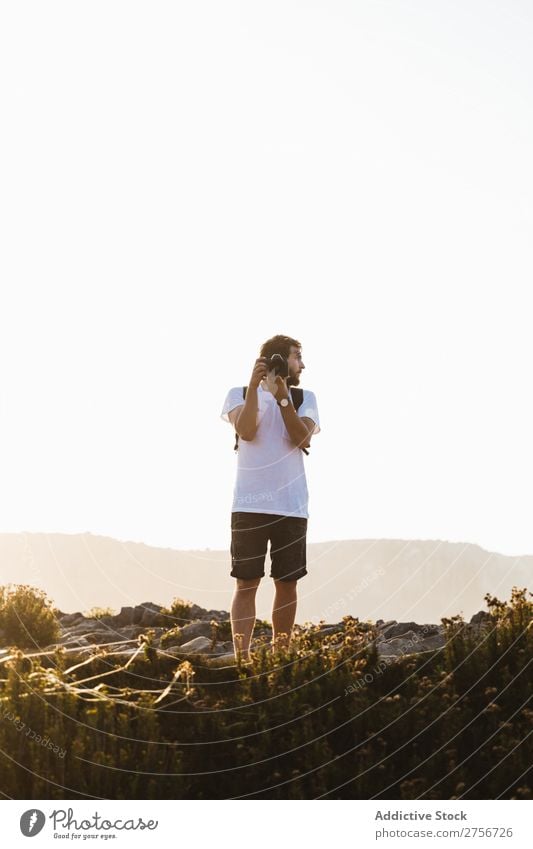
(283, 403)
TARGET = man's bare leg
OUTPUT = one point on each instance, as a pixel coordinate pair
(243, 614)
(283, 613)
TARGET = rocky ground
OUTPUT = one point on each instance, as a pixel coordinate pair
(209, 632)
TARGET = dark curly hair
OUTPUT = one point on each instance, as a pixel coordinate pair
(278, 345)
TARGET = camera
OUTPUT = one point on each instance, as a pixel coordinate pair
(278, 364)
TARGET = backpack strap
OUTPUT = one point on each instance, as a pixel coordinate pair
(297, 395)
(244, 388)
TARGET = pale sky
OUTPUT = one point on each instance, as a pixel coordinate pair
(181, 181)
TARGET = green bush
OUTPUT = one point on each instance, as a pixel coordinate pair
(27, 618)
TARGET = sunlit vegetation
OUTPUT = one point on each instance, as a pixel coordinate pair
(27, 618)
(325, 718)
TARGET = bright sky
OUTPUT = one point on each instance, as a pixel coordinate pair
(181, 181)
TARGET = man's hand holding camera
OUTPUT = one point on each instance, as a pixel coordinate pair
(275, 371)
(280, 388)
(259, 372)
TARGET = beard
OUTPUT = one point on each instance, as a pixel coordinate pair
(293, 380)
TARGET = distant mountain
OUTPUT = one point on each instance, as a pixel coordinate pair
(418, 580)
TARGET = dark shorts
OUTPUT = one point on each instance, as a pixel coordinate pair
(250, 533)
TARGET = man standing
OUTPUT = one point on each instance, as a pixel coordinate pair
(270, 496)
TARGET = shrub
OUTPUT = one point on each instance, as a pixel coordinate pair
(99, 612)
(179, 609)
(26, 617)
(171, 638)
(223, 631)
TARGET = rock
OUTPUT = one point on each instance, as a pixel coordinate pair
(222, 649)
(92, 637)
(196, 646)
(437, 641)
(220, 615)
(429, 629)
(409, 643)
(109, 621)
(147, 614)
(150, 618)
(329, 629)
(99, 637)
(196, 629)
(381, 624)
(70, 618)
(480, 618)
(88, 626)
(195, 635)
(228, 659)
(75, 641)
(137, 615)
(188, 632)
(125, 617)
(131, 632)
(401, 628)
(395, 648)
(197, 612)
(174, 651)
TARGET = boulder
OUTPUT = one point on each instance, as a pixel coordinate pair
(197, 612)
(66, 619)
(108, 621)
(74, 641)
(222, 648)
(436, 641)
(130, 632)
(147, 614)
(396, 647)
(409, 643)
(174, 651)
(220, 615)
(88, 626)
(125, 617)
(86, 638)
(401, 628)
(196, 646)
(201, 628)
(480, 618)
(222, 660)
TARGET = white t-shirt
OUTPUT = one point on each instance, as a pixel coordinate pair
(270, 468)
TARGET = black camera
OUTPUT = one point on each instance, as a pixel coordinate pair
(278, 364)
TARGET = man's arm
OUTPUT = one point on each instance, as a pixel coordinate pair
(311, 426)
(233, 415)
(244, 417)
(298, 428)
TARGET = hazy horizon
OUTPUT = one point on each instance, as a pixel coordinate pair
(389, 579)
